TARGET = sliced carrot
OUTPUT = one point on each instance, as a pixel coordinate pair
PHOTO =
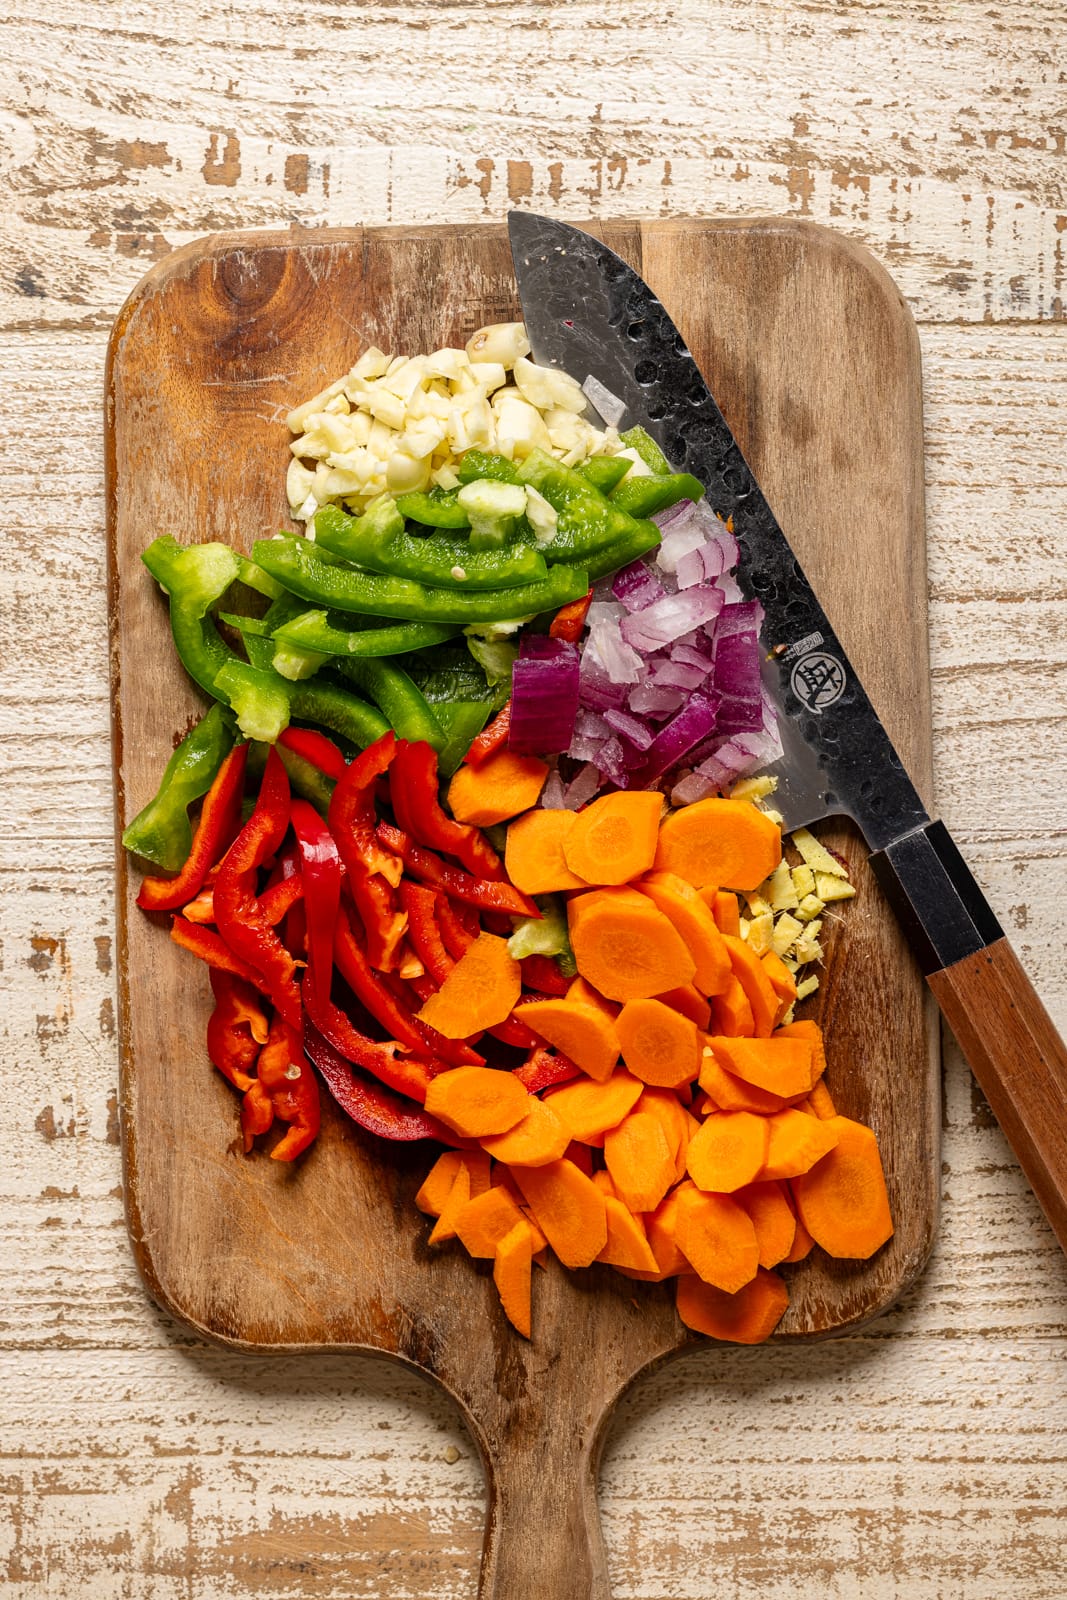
(627, 1244)
(445, 1226)
(675, 1120)
(479, 992)
(680, 902)
(781, 979)
(796, 1143)
(614, 839)
(589, 1109)
(725, 910)
(843, 1201)
(730, 1093)
(751, 974)
(781, 1065)
(438, 1183)
(658, 1044)
(512, 1274)
(731, 1012)
(500, 788)
(808, 1028)
(773, 1218)
(688, 999)
(538, 1139)
(716, 1235)
(583, 994)
(803, 1243)
(661, 1226)
(728, 1151)
(625, 946)
(728, 843)
(477, 1101)
(822, 1106)
(602, 1178)
(568, 1208)
(747, 1317)
(640, 1161)
(534, 855)
(482, 1221)
(584, 1033)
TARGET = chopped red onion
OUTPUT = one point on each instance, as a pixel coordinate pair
(596, 689)
(552, 793)
(633, 730)
(691, 656)
(692, 788)
(668, 619)
(676, 675)
(612, 762)
(612, 652)
(544, 695)
(683, 536)
(692, 725)
(582, 787)
(681, 511)
(637, 586)
(649, 701)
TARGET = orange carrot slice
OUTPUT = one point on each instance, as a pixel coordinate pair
(732, 1013)
(716, 1235)
(751, 974)
(807, 1029)
(728, 1151)
(803, 1244)
(584, 1033)
(773, 1219)
(534, 855)
(640, 1161)
(590, 1109)
(445, 1226)
(725, 910)
(842, 1201)
(512, 1274)
(477, 1101)
(625, 947)
(658, 1044)
(728, 843)
(568, 1208)
(781, 979)
(535, 1141)
(581, 993)
(731, 1093)
(661, 1227)
(680, 902)
(747, 1317)
(500, 788)
(438, 1182)
(781, 1065)
(614, 839)
(482, 1222)
(627, 1245)
(690, 1002)
(796, 1142)
(675, 1120)
(480, 991)
(822, 1106)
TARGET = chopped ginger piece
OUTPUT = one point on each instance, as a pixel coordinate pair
(753, 788)
(803, 881)
(807, 986)
(760, 933)
(816, 856)
(757, 905)
(779, 888)
(787, 930)
(831, 888)
(810, 906)
(808, 949)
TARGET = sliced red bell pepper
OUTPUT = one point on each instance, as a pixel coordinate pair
(408, 1075)
(366, 1101)
(424, 934)
(570, 620)
(220, 815)
(512, 1031)
(458, 924)
(208, 945)
(373, 870)
(237, 1028)
(286, 1087)
(491, 739)
(274, 902)
(429, 868)
(238, 916)
(315, 748)
(413, 790)
(543, 974)
(321, 873)
(542, 1069)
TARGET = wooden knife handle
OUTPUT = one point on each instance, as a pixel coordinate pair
(542, 1535)
(1020, 1062)
(1008, 1037)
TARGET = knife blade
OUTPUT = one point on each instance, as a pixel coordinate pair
(590, 314)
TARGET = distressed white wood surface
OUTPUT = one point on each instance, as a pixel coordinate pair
(920, 1460)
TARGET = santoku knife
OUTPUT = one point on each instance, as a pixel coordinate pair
(590, 314)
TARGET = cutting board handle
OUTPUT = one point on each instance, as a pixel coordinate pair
(542, 1535)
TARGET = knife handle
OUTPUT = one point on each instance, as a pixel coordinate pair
(1007, 1036)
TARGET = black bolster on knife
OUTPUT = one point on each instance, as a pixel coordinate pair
(942, 910)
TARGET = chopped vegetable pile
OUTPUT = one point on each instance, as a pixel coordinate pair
(433, 868)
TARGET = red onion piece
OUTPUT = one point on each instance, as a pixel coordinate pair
(544, 695)
(637, 586)
(632, 729)
(582, 787)
(668, 619)
(690, 727)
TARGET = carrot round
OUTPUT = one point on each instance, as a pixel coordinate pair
(640, 1161)
(782, 981)
(728, 1151)
(625, 947)
(747, 1317)
(615, 838)
(478, 1101)
(808, 1028)
(534, 855)
(796, 1142)
(716, 1235)
(661, 1226)
(760, 992)
(659, 1045)
(479, 992)
(627, 1244)
(781, 1065)
(512, 1273)
(687, 999)
(438, 1183)
(680, 902)
(731, 1012)
(731, 1093)
(724, 909)
(675, 1120)
(589, 1109)
(842, 1201)
(458, 1195)
(482, 1221)
(568, 1208)
(584, 1033)
(538, 1139)
(803, 1244)
(773, 1218)
(728, 843)
(822, 1106)
(501, 787)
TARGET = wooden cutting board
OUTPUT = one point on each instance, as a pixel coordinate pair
(814, 359)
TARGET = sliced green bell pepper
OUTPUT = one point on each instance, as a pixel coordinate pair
(379, 544)
(393, 692)
(487, 464)
(643, 497)
(587, 522)
(647, 448)
(346, 634)
(604, 472)
(439, 508)
(162, 832)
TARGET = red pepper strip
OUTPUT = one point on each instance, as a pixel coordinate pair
(215, 951)
(353, 962)
(367, 1102)
(322, 894)
(236, 1028)
(418, 812)
(220, 815)
(570, 620)
(429, 868)
(420, 904)
(274, 902)
(458, 924)
(238, 916)
(408, 965)
(422, 987)
(542, 1069)
(287, 1086)
(542, 973)
(512, 1031)
(408, 1075)
(491, 739)
(316, 749)
(373, 870)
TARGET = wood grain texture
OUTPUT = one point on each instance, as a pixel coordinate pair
(918, 1459)
(813, 338)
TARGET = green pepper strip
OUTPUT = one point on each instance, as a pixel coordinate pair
(487, 464)
(162, 833)
(604, 472)
(379, 545)
(647, 448)
(404, 706)
(301, 568)
(313, 630)
(219, 819)
(438, 509)
(461, 721)
(645, 538)
(588, 523)
(643, 497)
